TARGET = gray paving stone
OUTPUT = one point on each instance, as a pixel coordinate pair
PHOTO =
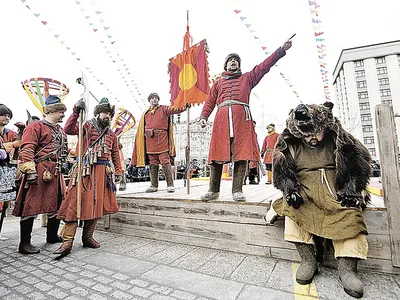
(196, 283)
(254, 270)
(161, 297)
(29, 268)
(376, 286)
(222, 264)
(50, 278)
(261, 293)
(45, 267)
(138, 291)
(80, 291)
(194, 259)
(120, 263)
(13, 297)
(10, 283)
(8, 259)
(4, 290)
(71, 276)
(105, 272)
(126, 244)
(57, 271)
(9, 270)
(160, 289)
(88, 274)
(31, 280)
(90, 267)
(73, 269)
(102, 288)
(170, 254)
(57, 293)
(86, 282)
(120, 276)
(23, 289)
(147, 250)
(36, 296)
(121, 285)
(103, 279)
(74, 298)
(3, 277)
(97, 297)
(121, 295)
(38, 273)
(139, 282)
(18, 264)
(183, 295)
(35, 262)
(281, 277)
(67, 285)
(59, 264)
(19, 274)
(43, 286)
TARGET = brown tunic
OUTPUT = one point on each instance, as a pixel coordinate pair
(98, 192)
(40, 140)
(321, 214)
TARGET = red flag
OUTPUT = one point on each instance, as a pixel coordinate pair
(189, 76)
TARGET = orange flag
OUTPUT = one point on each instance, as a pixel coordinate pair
(189, 76)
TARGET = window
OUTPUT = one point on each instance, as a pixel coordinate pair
(360, 73)
(372, 151)
(361, 84)
(367, 128)
(366, 117)
(380, 60)
(359, 63)
(385, 92)
(369, 140)
(380, 71)
(386, 101)
(383, 81)
(363, 95)
(364, 105)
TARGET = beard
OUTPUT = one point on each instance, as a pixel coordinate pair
(103, 123)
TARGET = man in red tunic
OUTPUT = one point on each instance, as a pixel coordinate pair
(43, 151)
(101, 169)
(267, 149)
(233, 138)
(154, 142)
(9, 142)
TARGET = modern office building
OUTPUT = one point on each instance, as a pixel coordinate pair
(364, 77)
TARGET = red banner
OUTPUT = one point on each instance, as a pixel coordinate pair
(189, 76)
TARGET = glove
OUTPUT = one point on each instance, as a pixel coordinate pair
(203, 123)
(294, 200)
(31, 178)
(80, 105)
(349, 201)
(20, 125)
(118, 178)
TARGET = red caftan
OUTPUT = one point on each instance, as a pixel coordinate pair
(98, 188)
(41, 139)
(244, 137)
(268, 147)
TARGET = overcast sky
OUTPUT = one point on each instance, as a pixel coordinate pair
(147, 33)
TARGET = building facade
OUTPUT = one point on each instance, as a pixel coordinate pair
(364, 77)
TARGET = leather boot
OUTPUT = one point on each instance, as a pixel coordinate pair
(69, 231)
(269, 177)
(347, 269)
(239, 171)
(52, 236)
(154, 179)
(122, 184)
(308, 265)
(169, 178)
(215, 183)
(25, 246)
(87, 234)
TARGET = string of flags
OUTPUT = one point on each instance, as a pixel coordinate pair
(319, 35)
(264, 48)
(96, 20)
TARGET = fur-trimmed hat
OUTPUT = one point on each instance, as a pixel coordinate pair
(53, 104)
(104, 106)
(153, 95)
(4, 110)
(271, 125)
(232, 55)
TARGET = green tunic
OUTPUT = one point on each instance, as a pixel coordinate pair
(321, 214)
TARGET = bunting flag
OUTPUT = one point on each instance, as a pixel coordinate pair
(189, 76)
(103, 31)
(319, 35)
(69, 49)
(264, 49)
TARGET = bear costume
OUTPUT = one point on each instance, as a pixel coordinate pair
(323, 172)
